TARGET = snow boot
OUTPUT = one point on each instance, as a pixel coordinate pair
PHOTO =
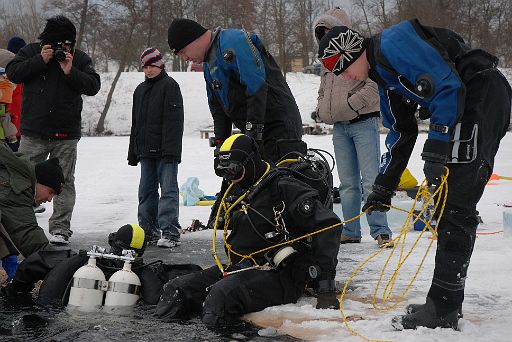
(412, 308)
(427, 317)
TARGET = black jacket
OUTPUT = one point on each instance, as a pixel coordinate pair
(52, 101)
(157, 120)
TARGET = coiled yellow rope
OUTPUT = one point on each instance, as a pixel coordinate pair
(423, 192)
(441, 192)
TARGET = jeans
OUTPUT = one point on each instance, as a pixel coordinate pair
(159, 213)
(357, 151)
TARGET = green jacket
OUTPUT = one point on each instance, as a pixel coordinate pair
(17, 191)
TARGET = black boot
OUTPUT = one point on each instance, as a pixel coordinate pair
(427, 317)
(171, 306)
(412, 308)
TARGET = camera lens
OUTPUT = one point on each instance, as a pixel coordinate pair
(60, 55)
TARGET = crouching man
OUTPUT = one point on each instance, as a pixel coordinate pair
(264, 207)
(23, 185)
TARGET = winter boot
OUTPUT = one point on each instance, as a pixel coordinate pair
(412, 308)
(427, 317)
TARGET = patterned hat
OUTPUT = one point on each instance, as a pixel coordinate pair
(151, 56)
(340, 47)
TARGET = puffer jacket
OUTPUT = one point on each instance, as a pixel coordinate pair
(339, 99)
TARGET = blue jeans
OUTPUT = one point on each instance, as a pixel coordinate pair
(159, 213)
(357, 151)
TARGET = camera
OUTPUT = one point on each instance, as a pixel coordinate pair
(58, 52)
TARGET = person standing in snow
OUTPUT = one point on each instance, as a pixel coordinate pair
(353, 107)
(468, 100)
(269, 207)
(54, 75)
(156, 142)
(245, 86)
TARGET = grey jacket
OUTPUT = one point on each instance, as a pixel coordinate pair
(339, 99)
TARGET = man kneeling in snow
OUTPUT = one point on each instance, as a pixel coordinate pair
(263, 207)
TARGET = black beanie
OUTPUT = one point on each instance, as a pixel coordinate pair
(242, 149)
(58, 29)
(340, 47)
(183, 32)
(129, 236)
(15, 44)
(49, 173)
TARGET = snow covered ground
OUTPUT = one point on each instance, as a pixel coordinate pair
(107, 198)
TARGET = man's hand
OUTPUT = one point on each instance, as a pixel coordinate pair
(67, 63)
(433, 172)
(46, 53)
(378, 200)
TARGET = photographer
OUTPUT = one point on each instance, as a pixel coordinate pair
(54, 76)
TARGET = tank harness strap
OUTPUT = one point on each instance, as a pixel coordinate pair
(91, 284)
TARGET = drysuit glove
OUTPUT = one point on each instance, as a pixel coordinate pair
(433, 172)
(216, 162)
(327, 300)
(379, 199)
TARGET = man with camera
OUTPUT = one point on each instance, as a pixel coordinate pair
(54, 75)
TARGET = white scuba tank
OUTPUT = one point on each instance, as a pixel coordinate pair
(123, 288)
(88, 287)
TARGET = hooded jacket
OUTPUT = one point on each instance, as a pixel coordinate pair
(339, 99)
(52, 101)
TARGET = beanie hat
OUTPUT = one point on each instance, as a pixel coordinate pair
(151, 56)
(5, 57)
(239, 156)
(183, 32)
(129, 236)
(49, 173)
(15, 44)
(58, 29)
(340, 47)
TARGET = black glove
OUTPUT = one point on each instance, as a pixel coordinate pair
(327, 300)
(216, 161)
(379, 199)
(433, 172)
(435, 154)
(132, 160)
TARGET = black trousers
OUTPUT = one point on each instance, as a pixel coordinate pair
(487, 104)
(223, 300)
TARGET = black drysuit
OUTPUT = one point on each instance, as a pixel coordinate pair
(253, 227)
(433, 67)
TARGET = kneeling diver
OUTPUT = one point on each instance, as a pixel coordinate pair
(264, 207)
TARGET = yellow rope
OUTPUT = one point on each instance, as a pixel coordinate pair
(441, 192)
(428, 198)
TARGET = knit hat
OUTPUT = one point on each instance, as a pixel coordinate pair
(129, 236)
(340, 47)
(151, 56)
(239, 156)
(49, 173)
(5, 57)
(183, 32)
(58, 29)
(15, 44)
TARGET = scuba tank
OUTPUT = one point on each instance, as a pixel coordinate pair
(88, 287)
(123, 287)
